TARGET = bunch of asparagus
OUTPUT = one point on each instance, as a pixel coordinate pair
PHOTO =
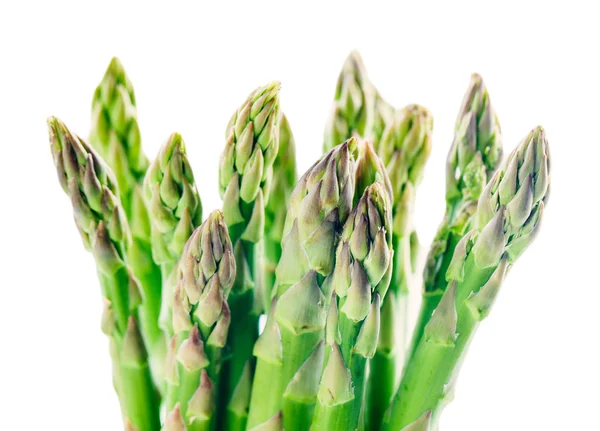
(329, 260)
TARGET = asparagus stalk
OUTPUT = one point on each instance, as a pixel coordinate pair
(353, 106)
(201, 319)
(404, 148)
(245, 176)
(115, 135)
(290, 351)
(101, 221)
(175, 210)
(475, 154)
(508, 217)
(284, 180)
(360, 280)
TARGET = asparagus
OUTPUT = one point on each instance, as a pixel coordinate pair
(353, 106)
(284, 179)
(508, 217)
(115, 135)
(201, 319)
(360, 280)
(101, 221)
(474, 156)
(175, 210)
(245, 177)
(290, 350)
(404, 148)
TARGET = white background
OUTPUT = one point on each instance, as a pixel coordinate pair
(534, 362)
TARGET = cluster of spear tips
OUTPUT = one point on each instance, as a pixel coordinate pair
(328, 259)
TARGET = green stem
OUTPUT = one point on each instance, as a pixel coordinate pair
(434, 366)
(347, 415)
(114, 344)
(172, 389)
(300, 412)
(169, 280)
(385, 367)
(380, 391)
(296, 350)
(188, 384)
(149, 275)
(140, 398)
(116, 287)
(272, 253)
(136, 390)
(243, 332)
(433, 295)
(215, 357)
(388, 362)
(265, 401)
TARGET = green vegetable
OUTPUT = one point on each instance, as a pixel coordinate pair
(404, 148)
(175, 210)
(290, 352)
(101, 221)
(201, 319)
(360, 280)
(115, 134)
(245, 178)
(353, 106)
(474, 156)
(508, 217)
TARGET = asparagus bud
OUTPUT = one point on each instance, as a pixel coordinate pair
(172, 197)
(94, 194)
(205, 276)
(404, 148)
(353, 103)
(115, 132)
(364, 257)
(246, 163)
(509, 209)
(477, 132)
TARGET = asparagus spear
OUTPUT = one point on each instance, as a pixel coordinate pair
(115, 135)
(175, 211)
(474, 156)
(245, 177)
(404, 148)
(508, 217)
(201, 319)
(290, 351)
(284, 179)
(360, 280)
(353, 105)
(101, 221)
